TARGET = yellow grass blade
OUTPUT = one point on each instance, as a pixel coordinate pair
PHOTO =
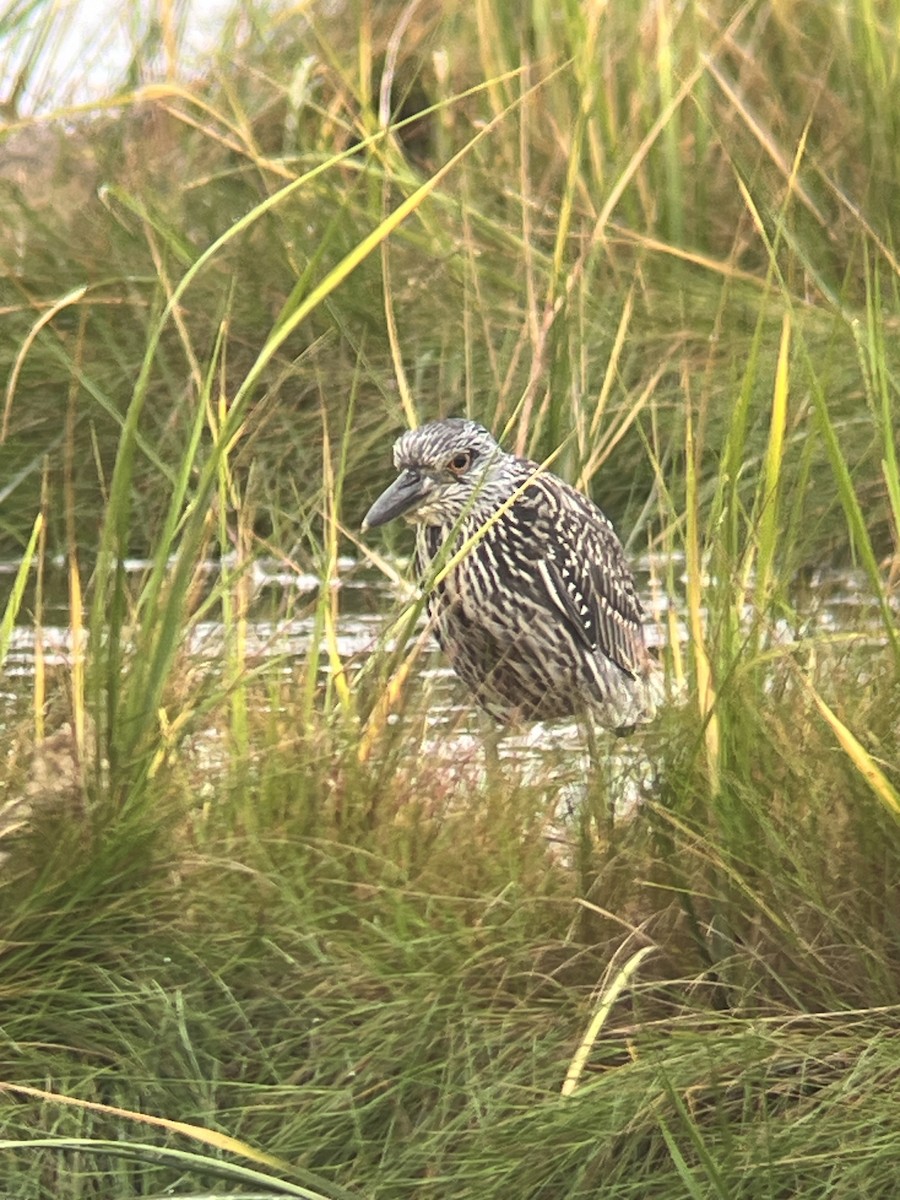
(44, 319)
(76, 625)
(612, 367)
(39, 691)
(387, 291)
(859, 756)
(208, 1137)
(706, 692)
(607, 1000)
(768, 520)
(8, 617)
(329, 599)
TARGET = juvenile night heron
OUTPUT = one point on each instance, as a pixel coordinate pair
(539, 617)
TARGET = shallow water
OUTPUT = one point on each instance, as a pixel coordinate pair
(281, 621)
(280, 627)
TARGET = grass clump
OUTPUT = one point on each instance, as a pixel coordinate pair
(266, 930)
(384, 980)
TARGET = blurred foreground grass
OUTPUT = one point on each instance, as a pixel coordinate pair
(668, 243)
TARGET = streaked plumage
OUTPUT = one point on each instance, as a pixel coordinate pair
(540, 618)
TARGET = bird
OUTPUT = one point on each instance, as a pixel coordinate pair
(528, 587)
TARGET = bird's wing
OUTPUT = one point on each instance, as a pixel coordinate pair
(583, 572)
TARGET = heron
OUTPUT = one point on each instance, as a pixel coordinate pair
(536, 608)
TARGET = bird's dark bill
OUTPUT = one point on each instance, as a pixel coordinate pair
(405, 493)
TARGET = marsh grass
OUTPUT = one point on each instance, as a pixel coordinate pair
(258, 938)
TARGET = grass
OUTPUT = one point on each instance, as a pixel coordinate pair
(258, 939)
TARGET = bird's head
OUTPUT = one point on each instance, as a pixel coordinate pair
(442, 465)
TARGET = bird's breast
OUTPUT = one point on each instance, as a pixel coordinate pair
(481, 589)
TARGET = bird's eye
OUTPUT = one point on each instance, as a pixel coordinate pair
(460, 462)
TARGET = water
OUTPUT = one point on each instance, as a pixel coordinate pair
(829, 602)
(832, 606)
(88, 45)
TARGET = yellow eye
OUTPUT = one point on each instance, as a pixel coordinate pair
(460, 462)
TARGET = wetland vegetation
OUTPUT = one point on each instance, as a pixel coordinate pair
(260, 933)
